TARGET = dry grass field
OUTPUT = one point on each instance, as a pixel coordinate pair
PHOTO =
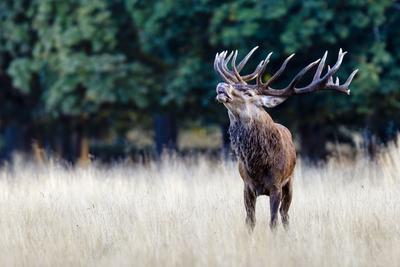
(190, 213)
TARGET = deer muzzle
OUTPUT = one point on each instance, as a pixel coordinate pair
(223, 93)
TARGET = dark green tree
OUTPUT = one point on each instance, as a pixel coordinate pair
(86, 68)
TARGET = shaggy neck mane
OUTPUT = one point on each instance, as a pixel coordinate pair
(256, 143)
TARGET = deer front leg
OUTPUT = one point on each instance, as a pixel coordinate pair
(287, 193)
(250, 205)
(275, 198)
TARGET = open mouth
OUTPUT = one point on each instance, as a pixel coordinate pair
(223, 97)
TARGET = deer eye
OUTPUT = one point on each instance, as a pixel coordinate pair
(247, 94)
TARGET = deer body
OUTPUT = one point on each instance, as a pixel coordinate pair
(265, 149)
(267, 158)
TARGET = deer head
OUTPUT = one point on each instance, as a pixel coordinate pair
(242, 98)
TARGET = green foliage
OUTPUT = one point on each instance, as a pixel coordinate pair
(80, 68)
(97, 58)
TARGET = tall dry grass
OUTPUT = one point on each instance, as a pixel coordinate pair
(190, 213)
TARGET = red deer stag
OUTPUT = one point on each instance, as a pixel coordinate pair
(265, 149)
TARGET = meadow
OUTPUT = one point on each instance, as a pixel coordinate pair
(189, 212)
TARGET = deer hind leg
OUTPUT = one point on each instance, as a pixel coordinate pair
(287, 192)
(275, 198)
(250, 205)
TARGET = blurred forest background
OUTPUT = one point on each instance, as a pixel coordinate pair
(118, 78)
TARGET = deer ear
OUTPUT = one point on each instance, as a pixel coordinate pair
(272, 101)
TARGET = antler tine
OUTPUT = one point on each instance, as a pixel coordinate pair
(344, 88)
(221, 62)
(330, 78)
(232, 77)
(235, 70)
(228, 58)
(290, 89)
(225, 67)
(321, 66)
(335, 67)
(327, 80)
(245, 59)
(215, 62)
(255, 73)
(301, 73)
(279, 72)
(348, 81)
(217, 67)
(262, 69)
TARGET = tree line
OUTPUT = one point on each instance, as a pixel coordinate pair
(75, 70)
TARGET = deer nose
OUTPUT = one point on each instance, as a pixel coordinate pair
(221, 88)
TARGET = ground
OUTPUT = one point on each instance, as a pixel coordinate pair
(190, 213)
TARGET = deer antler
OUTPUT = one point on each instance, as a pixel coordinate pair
(318, 82)
(233, 77)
